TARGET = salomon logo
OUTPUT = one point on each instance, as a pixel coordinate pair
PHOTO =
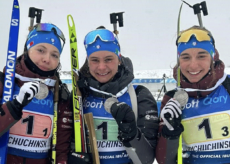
(14, 22)
(9, 75)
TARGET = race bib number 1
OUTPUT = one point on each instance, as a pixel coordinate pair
(207, 128)
(33, 125)
(106, 129)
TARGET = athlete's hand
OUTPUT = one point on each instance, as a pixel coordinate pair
(125, 119)
(171, 116)
(27, 92)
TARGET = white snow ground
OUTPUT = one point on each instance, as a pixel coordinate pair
(152, 79)
(142, 74)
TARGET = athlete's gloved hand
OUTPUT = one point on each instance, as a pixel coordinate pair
(27, 92)
(24, 97)
(126, 122)
(83, 158)
(171, 116)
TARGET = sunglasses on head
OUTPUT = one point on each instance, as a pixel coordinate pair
(103, 34)
(50, 27)
(201, 35)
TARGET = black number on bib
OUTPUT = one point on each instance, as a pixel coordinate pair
(30, 124)
(225, 129)
(205, 124)
(104, 126)
(45, 131)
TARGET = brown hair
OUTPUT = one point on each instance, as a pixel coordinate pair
(84, 70)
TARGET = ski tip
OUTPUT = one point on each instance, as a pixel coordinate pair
(70, 22)
(16, 4)
(69, 15)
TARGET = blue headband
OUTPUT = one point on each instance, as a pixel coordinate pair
(99, 45)
(194, 43)
(36, 37)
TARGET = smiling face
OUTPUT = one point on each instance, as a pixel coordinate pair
(195, 63)
(103, 65)
(45, 56)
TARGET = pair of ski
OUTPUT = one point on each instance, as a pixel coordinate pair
(10, 72)
(79, 118)
(79, 128)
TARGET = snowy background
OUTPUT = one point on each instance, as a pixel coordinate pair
(148, 36)
(152, 79)
(149, 32)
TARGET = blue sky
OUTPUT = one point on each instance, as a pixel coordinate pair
(149, 32)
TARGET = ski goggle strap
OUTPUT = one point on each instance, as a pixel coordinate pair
(195, 38)
(104, 34)
(46, 33)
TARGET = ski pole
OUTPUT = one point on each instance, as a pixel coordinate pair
(54, 140)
